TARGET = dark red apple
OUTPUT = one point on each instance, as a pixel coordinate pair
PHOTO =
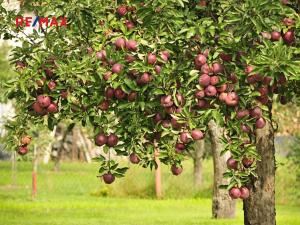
(120, 43)
(134, 159)
(117, 68)
(108, 178)
(282, 79)
(166, 101)
(222, 88)
(210, 91)
(233, 78)
(232, 99)
(234, 193)
(214, 80)
(204, 80)
(199, 94)
(275, 36)
(129, 24)
(205, 69)
(256, 112)
(289, 37)
(100, 139)
(43, 100)
(175, 124)
(242, 113)
(283, 100)
(23, 150)
(90, 50)
(104, 105)
(180, 99)
(267, 80)
(184, 137)
(146, 78)
(251, 79)
(249, 69)
(200, 60)
(288, 21)
(101, 55)
(157, 118)
(217, 68)
(179, 147)
(38, 109)
(132, 96)
(51, 85)
(64, 94)
(225, 57)
(245, 193)
(197, 134)
(247, 162)
(52, 108)
(157, 69)
(131, 45)
(107, 75)
(119, 93)
(202, 104)
(129, 58)
(245, 128)
(112, 140)
(263, 91)
(176, 170)
(166, 123)
(165, 55)
(232, 164)
(260, 123)
(170, 110)
(109, 92)
(151, 58)
(122, 10)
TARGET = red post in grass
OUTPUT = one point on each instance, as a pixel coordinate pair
(34, 174)
(158, 186)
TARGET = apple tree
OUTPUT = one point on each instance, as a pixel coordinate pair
(151, 76)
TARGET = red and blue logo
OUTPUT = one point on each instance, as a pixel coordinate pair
(41, 21)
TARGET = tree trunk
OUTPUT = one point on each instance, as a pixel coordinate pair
(259, 209)
(198, 155)
(222, 205)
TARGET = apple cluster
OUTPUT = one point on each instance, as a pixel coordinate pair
(25, 141)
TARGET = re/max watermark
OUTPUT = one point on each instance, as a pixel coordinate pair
(41, 21)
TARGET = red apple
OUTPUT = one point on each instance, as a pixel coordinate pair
(108, 178)
(197, 134)
(234, 193)
(23, 150)
(134, 159)
(100, 139)
(245, 193)
(204, 80)
(120, 43)
(176, 170)
(232, 164)
(151, 58)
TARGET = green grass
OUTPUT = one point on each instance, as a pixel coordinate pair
(75, 196)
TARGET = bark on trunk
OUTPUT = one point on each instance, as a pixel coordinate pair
(198, 155)
(259, 209)
(222, 205)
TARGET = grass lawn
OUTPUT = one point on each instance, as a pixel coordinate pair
(74, 197)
